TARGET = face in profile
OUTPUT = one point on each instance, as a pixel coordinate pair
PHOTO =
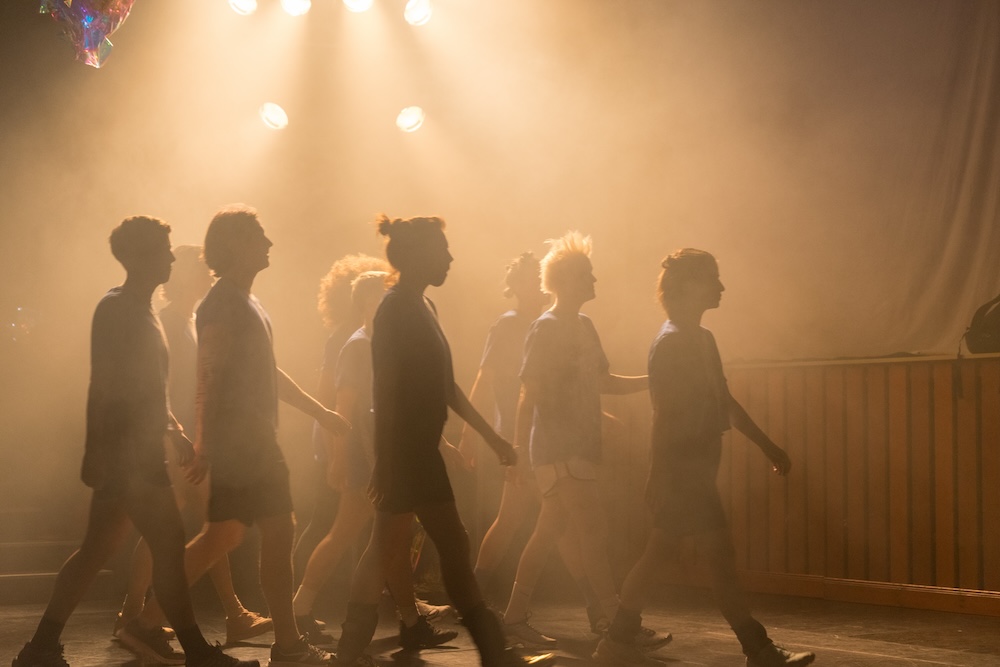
(159, 260)
(705, 288)
(436, 259)
(579, 280)
(255, 248)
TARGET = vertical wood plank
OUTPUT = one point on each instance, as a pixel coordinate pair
(777, 492)
(899, 476)
(921, 466)
(968, 487)
(856, 472)
(878, 473)
(796, 446)
(836, 565)
(816, 470)
(990, 423)
(945, 561)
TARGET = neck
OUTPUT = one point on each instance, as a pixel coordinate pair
(140, 286)
(241, 279)
(565, 306)
(686, 316)
(409, 283)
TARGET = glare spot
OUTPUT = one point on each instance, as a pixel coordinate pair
(296, 7)
(273, 116)
(418, 12)
(359, 5)
(410, 119)
(243, 7)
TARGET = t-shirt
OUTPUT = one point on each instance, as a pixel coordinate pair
(502, 355)
(690, 398)
(412, 375)
(240, 429)
(182, 340)
(564, 356)
(327, 373)
(127, 410)
(354, 371)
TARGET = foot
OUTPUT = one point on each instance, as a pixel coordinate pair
(522, 634)
(313, 630)
(219, 659)
(648, 639)
(423, 635)
(121, 621)
(614, 652)
(773, 655)
(300, 653)
(510, 658)
(246, 625)
(150, 645)
(35, 657)
(434, 611)
(599, 623)
(363, 660)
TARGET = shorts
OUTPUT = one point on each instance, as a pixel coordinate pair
(547, 475)
(269, 495)
(414, 482)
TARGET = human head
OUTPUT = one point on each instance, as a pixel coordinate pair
(367, 290)
(142, 244)
(235, 240)
(417, 247)
(566, 268)
(523, 276)
(190, 278)
(335, 303)
(685, 271)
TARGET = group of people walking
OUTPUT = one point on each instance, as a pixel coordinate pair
(386, 388)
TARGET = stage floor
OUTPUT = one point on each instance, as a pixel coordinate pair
(840, 634)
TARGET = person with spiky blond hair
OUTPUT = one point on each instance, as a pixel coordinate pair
(563, 374)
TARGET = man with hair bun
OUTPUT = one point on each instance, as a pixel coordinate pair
(692, 407)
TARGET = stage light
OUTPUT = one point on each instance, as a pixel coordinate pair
(410, 119)
(243, 7)
(359, 5)
(273, 116)
(418, 12)
(296, 7)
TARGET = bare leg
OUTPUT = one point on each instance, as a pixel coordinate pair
(514, 504)
(277, 534)
(582, 504)
(548, 528)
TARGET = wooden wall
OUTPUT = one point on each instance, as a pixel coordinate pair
(894, 494)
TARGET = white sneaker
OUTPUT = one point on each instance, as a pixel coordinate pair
(522, 634)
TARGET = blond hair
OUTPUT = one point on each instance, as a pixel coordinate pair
(334, 301)
(563, 255)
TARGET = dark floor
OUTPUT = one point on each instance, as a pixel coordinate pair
(840, 634)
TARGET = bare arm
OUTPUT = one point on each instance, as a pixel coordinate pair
(624, 384)
(743, 423)
(463, 408)
(295, 396)
(482, 385)
(213, 354)
(336, 443)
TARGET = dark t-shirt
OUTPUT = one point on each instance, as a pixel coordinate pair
(565, 357)
(354, 372)
(240, 431)
(502, 356)
(183, 342)
(127, 411)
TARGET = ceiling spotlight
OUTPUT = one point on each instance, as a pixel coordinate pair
(410, 119)
(418, 12)
(273, 116)
(359, 5)
(296, 7)
(243, 7)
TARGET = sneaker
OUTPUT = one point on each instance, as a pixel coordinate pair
(303, 653)
(773, 655)
(522, 634)
(363, 660)
(313, 630)
(618, 653)
(434, 611)
(423, 635)
(151, 645)
(648, 639)
(40, 657)
(219, 659)
(246, 625)
(599, 623)
(510, 658)
(120, 623)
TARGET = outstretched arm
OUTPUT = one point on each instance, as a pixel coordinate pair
(463, 408)
(624, 384)
(295, 396)
(743, 423)
(482, 385)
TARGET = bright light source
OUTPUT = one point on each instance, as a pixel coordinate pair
(243, 7)
(296, 7)
(418, 12)
(410, 119)
(273, 116)
(359, 5)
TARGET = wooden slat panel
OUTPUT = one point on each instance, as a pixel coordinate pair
(777, 492)
(945, 563)
(899, 497)
(967, 450)
(795, 445)
(757, 482)
(836, 565)
(921, 466)
(989, 411)
(816, 470)
(738, 387)
(856, 472)
(878, 473)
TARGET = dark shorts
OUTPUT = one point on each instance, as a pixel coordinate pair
(269, 495)
(685, 504)
(416, 481)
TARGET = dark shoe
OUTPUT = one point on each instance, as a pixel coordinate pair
(510, 658)
(599, 623)
(648, 639)
(313, 630)
(151, 645)
(35, 657)
(423, 635)
(219, 659)
(614, 652)
(303, 653)
(773, 655)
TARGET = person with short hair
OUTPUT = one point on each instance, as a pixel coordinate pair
(692, 408)
(128, 419)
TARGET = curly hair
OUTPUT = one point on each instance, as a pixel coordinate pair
(526, 267)
(334, 301)
(564, 253)
(680, 266)
(137, 236)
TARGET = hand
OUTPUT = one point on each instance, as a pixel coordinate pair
(504, 450)
(183, 446)
(334, 423)
(453, 455)
(780, 463)
(197, 469)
